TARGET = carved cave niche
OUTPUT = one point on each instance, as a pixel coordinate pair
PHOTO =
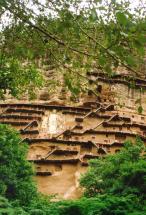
(120, 138)
(117, 150)
(38, 168)
(52, 147)
(58, 167)
(101, 151)
(85, 148)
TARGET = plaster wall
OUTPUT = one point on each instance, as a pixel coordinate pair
(65, 181)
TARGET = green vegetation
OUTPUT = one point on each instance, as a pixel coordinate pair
(17, 79)
(15, 172)
(119, 174)
(70, 37)
(114, 185)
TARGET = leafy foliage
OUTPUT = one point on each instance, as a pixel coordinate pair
(103, 205)
(15, 172)
(119, 174)
(16, 79)
(74, 37)
(8, 209)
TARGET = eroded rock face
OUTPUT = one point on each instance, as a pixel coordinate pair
(63, 137)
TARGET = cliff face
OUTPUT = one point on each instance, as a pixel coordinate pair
(62, 137)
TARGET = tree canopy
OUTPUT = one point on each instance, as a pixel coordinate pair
(16, 172)
(71, 36)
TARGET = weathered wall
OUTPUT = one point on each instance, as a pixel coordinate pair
(63, 138)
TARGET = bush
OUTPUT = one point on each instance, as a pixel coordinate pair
(15, 171)
(123, 173)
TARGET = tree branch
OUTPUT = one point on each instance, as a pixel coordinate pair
(108, 51)
(67, 67)
(48, 34)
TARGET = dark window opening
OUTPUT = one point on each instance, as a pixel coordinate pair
(101, 151)
(120, 137)
(99, 88)
(86, 148)
(117, 150)
(38, 168)
(52, 147)
(58, 167)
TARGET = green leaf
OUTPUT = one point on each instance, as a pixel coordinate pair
(93, 15)
(121, 18)
(108, 69)
(142, 39)
(140, 109)
(102, 60)
(73, 89)
(130, 61)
